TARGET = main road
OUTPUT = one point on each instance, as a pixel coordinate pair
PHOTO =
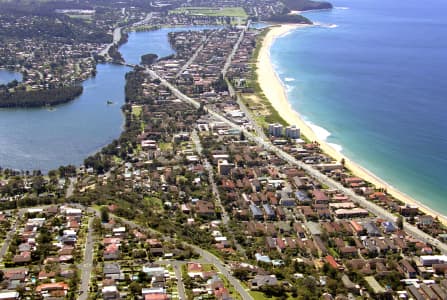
(116, 38)
(361, 201)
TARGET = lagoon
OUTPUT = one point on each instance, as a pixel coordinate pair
(7, 76)
(44, 139)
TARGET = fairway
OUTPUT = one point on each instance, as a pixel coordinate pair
(236, 12)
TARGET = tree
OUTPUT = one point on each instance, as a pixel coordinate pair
(400, 222)
(273, 290)
(39, 184)
(149, 59)
(104, 214)
(241, 274)
(242, 136)
(67, 171)
(135, 288)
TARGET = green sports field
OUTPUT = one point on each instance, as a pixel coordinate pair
(236, 12)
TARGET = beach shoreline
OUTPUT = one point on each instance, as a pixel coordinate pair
(275, 92)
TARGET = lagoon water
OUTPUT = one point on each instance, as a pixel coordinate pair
(372, 77)
(153, 42)
(7, 76)
(44, 139)
(32, 139)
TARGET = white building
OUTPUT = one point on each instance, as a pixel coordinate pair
(275, 129)
(429, 260)
(224, 167)
(292, 132)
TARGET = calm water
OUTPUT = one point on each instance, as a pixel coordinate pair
(8, 76)
(41, 139)
(153, 42)
(373, 79)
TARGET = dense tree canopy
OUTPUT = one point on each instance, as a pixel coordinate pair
(54, 96)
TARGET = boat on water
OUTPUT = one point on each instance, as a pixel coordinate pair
(49, 107)
(109, 102)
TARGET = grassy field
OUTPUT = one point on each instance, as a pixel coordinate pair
(258, 295)
(258, 103)
(82, 17)
(235, 12)
(136, 110)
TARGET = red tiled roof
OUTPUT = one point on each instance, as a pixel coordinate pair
(156, 296)
(52, 286)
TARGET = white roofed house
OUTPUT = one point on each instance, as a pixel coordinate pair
(9, 295)
(110, 292)
(119, 231)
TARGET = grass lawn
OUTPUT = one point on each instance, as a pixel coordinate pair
(82, 17)
(236, 12)
(258, 295)
(154, 203)
(165, 146)
(136, 110)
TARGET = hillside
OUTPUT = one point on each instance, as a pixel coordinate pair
(303, 5)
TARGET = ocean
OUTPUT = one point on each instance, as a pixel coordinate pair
(371, 79)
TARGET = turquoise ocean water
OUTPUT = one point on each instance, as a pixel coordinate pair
(371, 79)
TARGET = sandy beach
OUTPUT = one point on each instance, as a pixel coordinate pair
(274, 90)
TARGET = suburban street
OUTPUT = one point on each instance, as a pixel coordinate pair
(87, 265)
(10, 235)
(70, 188)
(193, 57)
(210, 258)
(206, 256)
(215, 190)
(210, 171)
(180, 285)
(236, 46)
(177, 265)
